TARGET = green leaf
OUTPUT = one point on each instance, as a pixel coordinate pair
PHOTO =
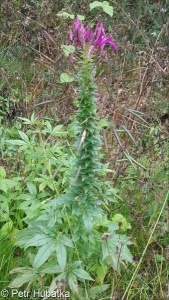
(159, 258)
(61, 255)
(73, 282)
(20, 280)
(126, 254)
(113, 227)
(131, 160)
(24, 235)
(98, 289)
(43, 254)
(95, 4)
(88, 221)
(43, 185)
(6, 184)
(23, 136)
(32, 188)
(65, 78)
(2, 172)
(6, 229)
(52, 270)
(107, 8)
(65, 14)
(82, 274)
(118, 218)
(49, 126)
(105, 251)
(4, 209)
(26, 121)
(61, 276)
(39, 240)
(56, 131)
(81, 17)
(68, 49)
(101, 273)
(16, 142)
(66, 241)
(117, 245)
(132, 171)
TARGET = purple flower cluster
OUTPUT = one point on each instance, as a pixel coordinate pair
(95, 40)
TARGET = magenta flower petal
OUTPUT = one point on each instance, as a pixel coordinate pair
(98, 39)
(97, 27)
(113, 45)
(71, 35)
(94, 40)
(76, 23)
(104, 41)
(100, 28)
(100, 35)
(89, 51)
(89, 35)
(80, 32)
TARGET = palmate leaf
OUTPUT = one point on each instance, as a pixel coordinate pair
(16, 142)
(61, 255)
(43, 254)
(24, 235)
(39, 240)
(82, 274)
(66, 241)
(23, 136)
(72, 280)
(115, 247)
(54, 269)
(105, 251)
(24, 278)
(88, 221)
(32, 188)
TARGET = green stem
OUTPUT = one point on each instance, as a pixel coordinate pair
(88, 137)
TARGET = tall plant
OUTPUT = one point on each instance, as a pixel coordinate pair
(87, 183)
(78, 238)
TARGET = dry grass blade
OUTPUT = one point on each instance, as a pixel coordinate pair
(136, 114)
(129, 133)
(132, 160)
(117, 138)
